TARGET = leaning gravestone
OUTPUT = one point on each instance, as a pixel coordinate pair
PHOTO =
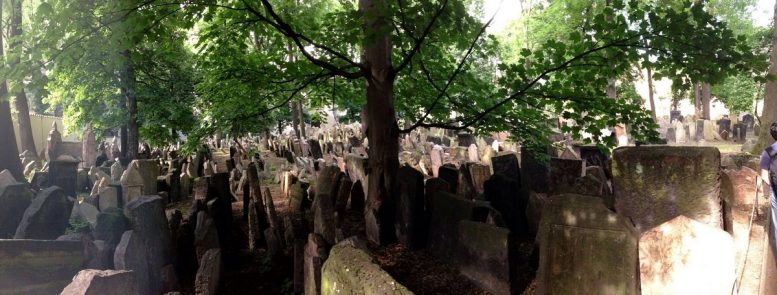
(149, 172)
(654, 184)
(411, 216)
(14, 200)
(131, 183)
(484, 255)
(47, 217)
(209, 274)
(315, 254)
(147, 217)
(684, 256)
(64, 174)
(563, 173)
(445, 213)
(97, 282)
(350, 269)
(585, 249)
(131, 255)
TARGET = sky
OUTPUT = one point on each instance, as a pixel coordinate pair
(507, 10)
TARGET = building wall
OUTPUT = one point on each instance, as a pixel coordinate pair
(41, 125)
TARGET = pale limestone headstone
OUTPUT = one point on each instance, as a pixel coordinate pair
(89, 148)
(488, 152)
(680, 135)
(116, 171)
(208, 169)
(472, 153)
(684, 256)
(437, 157)
(131, 183)
(709, 130)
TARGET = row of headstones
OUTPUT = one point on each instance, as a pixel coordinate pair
(705, 130)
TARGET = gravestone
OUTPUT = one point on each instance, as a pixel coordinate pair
(450, 174)
(680, 132)
(343, 195)
(507, 165)
(315, 253)
(323, 206)
(479, 173)
(315, 149)
(64, 174)
(699, 130)
(653, 184)
(445, 213)
(110, 226)
(14, 200)
(411, 216)
(131, 255)
(484, 255)
(149, 172)
(436, 157)
(131, 183)
(205, 234)
(472, 153)
(671, 136)
(89, 148)
(116, 171)
(709, 130)
(98, 282)
(684, 256)
(146, 215)
(563, 174)
(350, 269)
(534, 174)
(585, 249)
(47, 217)
(465, 139)
(504, 194)
(209, 274)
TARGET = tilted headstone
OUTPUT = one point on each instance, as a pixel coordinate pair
(563, 174)
(350, 269)
(484, 254)
(411, 222)
(585, 248)
(479, 174)
(63, 173)
(131, 183)
(131, 255)
(116, 171)
(95, 282)
(205, 234)
(147, 217)
(47, 217)
(684, 256)
(653, 184)
(14, 200)
(315, 254)
(209, 274)
(89, 148)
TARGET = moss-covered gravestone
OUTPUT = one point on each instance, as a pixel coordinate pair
(654, 184)
(585, 248)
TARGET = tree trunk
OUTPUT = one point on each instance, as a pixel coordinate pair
(9, 154)
(20, 102)
(650, 94)
(706, 97)
(769, 111)
(128, 91)
(382, 129)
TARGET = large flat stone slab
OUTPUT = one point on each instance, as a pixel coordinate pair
(654, 184)
(350, 269)
(38, 266)
(585, 248)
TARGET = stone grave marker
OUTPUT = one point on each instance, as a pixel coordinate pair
(563, 173)
(47, 217)
(484, 255)
(14, 200)
(411, 218)
(146, 215)
(64, 174)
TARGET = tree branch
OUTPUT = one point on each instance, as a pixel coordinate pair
(420, 41)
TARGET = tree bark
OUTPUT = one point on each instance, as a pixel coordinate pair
(382, 129)
(769, 111)
(650, 93)
(9, 153)
(706, 97)
(697, 99)
(301, 115)
(128, 91)
(295, 120)
(20, 102)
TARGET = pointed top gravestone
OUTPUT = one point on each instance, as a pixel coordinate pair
(47, 217)
(131, 183)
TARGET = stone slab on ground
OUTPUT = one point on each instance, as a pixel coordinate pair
(684, 256)
(653, 184)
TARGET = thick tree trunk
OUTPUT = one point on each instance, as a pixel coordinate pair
(650, 94)
(382, 129)
(769, 111)
(706, 97)
(128, 91)
(9, 153)
(20, 102)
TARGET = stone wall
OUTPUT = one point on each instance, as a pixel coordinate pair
(38, 266)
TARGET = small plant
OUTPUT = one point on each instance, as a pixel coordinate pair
(77, 225)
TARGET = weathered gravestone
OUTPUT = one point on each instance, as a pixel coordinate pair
(315, 149)
(465, 139)
(315, 253)
(149, 223)
(450, 174)
(507, 165)
(671, 135)
(323, 205)
(445, 213)
(504, 194)
(563, 174)
(209, 274)
(411, 216)
(131, 183)
(131, 255)
(205, 235)
(38, 266)
(472, 153)
(534, 173)
(585, 249)
(684, 256)
(47, 217)
(479, 173)
(485, 254)
(653, 184)
(149, 172)
(699, 130)
(64, 174)
(14, 200)
(98, 282)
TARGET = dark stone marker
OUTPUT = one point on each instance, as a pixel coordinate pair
(444, 218)
(64, 174)
(534, 173)
(315, 149)
(14, 200)
(699, 130)
(449, 173)
(410, 216)
(484, 254)
(505, 196)
(465, 139)
(563, 173)
(47, 217)
(671, 137)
